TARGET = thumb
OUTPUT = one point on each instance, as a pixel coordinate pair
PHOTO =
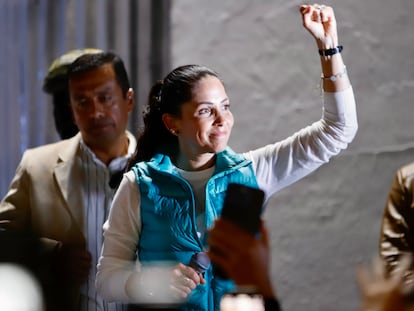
(306, 13)
(303, 8)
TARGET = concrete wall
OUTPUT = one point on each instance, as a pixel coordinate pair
(328, 223)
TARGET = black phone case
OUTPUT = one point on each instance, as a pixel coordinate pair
(243, 206)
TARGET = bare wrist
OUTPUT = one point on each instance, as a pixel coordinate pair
(328, 43)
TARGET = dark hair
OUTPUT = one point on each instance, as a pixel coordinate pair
(93, 61)
(167, 96)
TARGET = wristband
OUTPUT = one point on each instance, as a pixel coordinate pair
(335, 77)
(330, 52)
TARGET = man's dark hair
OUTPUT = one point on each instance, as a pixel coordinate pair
(89, 62)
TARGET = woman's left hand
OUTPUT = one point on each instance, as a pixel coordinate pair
(185, 279)
(320, 21)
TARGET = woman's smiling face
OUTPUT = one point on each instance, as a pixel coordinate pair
(206, 120)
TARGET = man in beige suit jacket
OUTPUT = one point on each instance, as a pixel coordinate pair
(61, 193)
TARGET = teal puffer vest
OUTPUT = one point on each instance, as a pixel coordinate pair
(169, 231)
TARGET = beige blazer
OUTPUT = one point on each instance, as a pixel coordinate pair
(45, 198)
(44, 194)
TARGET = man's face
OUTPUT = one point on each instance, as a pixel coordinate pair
(99, 108)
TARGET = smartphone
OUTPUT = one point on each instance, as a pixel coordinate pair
(243, 206)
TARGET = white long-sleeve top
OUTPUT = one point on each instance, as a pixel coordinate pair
(120, 276)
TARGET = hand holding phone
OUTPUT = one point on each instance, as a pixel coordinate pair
(243, 207)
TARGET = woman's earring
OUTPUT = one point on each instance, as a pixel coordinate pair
(174, 132)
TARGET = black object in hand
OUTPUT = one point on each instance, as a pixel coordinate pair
(243, 207)
(200, 262)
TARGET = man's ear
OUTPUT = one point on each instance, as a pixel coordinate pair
(130, 99)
